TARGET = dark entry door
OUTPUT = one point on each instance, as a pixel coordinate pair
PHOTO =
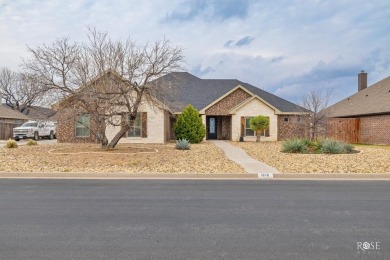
(211, 127)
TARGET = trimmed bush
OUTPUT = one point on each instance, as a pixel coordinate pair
(189, 126)
(11, 144)
(31, 142)
(183, 144)
(294, 146)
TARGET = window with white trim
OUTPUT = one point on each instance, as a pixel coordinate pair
(249, 131)
(136, 129)
(82, 126)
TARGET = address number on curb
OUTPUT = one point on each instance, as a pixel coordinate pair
(266, 176)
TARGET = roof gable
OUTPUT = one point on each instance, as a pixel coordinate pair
(225, 96)
(236, 108)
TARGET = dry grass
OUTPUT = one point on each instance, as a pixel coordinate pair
(135, 158)
(358, 146)
(372, 159)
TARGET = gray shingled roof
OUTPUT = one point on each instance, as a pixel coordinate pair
(40, 113)
(8, 113)
(189, 89)
(369, 101)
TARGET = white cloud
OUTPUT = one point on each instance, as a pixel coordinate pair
(294, 45)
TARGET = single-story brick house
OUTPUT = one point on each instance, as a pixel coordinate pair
(225, 105)
(363, 117)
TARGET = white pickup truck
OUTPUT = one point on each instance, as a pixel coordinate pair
(35, 130)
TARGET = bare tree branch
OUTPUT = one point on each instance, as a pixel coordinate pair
(106, 78)
(316, 101)
(20, 90)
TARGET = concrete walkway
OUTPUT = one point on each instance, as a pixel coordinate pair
(240, 157)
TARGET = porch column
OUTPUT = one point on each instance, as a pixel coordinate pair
(204, 123)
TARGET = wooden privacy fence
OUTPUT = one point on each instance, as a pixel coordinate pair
(344, 129)
(6, 130)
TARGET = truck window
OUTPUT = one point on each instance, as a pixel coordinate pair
(30, 124)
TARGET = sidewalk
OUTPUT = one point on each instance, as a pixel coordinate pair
(240, 157)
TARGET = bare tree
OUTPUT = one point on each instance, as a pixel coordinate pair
(20, 91)
(316, 101)
(107, 79)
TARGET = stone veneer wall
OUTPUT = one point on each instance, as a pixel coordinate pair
(254, 108)
(156, 126)
(223, 106)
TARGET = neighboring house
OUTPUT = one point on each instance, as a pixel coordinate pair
(363, 117)
(225, 106)
(8, 115)
(8, 120)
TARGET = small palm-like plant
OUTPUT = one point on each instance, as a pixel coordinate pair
(258, 124)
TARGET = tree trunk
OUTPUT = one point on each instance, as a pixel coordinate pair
(258, 137)
(118, 136)
(101, 134)
(104, 142)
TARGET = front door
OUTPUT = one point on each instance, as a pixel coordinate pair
(211, 127)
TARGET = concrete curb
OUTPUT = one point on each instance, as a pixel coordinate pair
(333, 176)
(230, 176)
(79, 175)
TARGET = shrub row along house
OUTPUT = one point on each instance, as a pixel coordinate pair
(363, 117)
(225, 105)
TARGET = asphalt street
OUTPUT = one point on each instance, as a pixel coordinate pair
(194, 219)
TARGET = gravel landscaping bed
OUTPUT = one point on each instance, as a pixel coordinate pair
(134, 158)
(370, 160)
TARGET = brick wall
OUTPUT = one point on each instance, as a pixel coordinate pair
(223, 127)
(292, 126)
(66, 127)
(223, 106)
(375, 129)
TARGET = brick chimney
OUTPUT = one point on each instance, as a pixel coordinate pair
(362, 80)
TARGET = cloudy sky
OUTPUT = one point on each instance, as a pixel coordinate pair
(286, 47)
